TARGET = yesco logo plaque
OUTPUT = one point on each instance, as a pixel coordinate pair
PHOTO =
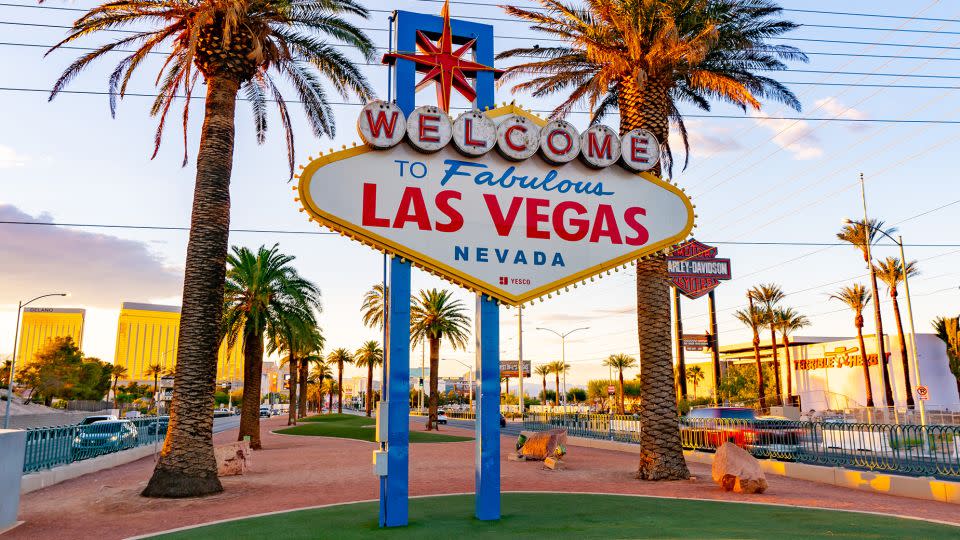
(500, 202)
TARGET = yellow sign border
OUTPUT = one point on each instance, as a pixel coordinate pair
(380, 243)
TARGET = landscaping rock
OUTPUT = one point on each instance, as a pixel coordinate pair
(734, 469)
(553, 463)
(539, 445)
(232, 458)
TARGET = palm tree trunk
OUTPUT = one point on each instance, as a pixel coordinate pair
(329, 403)
(187, 467)
(786, 354)
(339, 387)
(881, 345)
(761, 398)
(903, 349)
(304, 374)
(434, 398)
(622, 408)
(866, 365)
(368, 403)
(661, 454)
(776, 364)
(544, 389)
(556, 397)
(294, 381)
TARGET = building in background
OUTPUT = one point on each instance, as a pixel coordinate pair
(148, 334)
(40, 324)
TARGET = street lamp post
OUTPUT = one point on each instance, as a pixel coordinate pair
(563, 356)
(913, 336)
(470, 372)
(13, 361)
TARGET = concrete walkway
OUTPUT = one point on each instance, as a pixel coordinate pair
(294, 472)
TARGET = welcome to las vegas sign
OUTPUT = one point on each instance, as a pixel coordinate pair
(498, 201)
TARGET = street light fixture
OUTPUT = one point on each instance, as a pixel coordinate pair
(469, 372)
(563, 356)
(13, 362)
(913, 335)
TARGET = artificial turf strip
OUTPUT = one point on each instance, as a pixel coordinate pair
(348, 426)
(536, 515)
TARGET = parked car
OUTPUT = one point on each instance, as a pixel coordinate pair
(97, 418)
(265, 412)
(220, 413)
(710, 427)
(442, 417)
(105, 436)
(158, 426)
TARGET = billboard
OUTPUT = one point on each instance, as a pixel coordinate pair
(508, 368)
(39, 324)
(500, 202)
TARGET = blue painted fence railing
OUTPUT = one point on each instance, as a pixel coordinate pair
(903, 449)
(49, 447)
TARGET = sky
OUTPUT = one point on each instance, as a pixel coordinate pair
(756, 179)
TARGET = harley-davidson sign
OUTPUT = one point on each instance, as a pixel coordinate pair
(500, 201)
(695, 269)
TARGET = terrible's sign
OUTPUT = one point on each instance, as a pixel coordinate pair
(695, 269)
(500, 201)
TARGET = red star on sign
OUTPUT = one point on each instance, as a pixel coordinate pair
(443, 65)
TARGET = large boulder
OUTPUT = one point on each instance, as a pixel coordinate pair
(539, 445)
(232, 458)
(734, 469)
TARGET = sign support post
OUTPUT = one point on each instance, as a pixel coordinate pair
(678, 330)
(487, 423)
(397, 394)
(714, 346)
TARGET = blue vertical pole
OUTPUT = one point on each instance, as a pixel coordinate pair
(398, 396)
(487, 454)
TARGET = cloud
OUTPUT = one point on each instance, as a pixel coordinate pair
(96, 269)
(594, 314)
(834, 109)
(794, 136)
(704, 139)
(9, 158)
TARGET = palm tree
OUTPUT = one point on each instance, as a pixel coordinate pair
(435, 315)
(300, 339)
(643, 58)
(154, 370)
(856, 297)
(769, 295)
(320, 376)
(695, 375)
(948, 330)
(314, 358)
(862, 237)
(372, 308)
(228, 47)
(558, 368)
(543, 370)
(620, 362)
(331, 387)
(340, 357)
(369, 355)
(754, 317)
(788, 320)
(118, 372)
(264, 296)
(890, 271)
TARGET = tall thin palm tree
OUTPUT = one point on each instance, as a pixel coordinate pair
(331, 387)
(543, 370)
(620, 362)
(154, 371)
(695, 376)
(229, 47)
(890, 271)
(754, 317)
(299, 339)
(862, 236)
(311, 353)
(369, 355)
(769, 295)
(320, 376)
(372, 308)
(948, 330)
(263, 295)
(788, 321)
(436, 315)
(558, 368)
(643, 58)
(856, 297)
(340, 357)
(118, 372)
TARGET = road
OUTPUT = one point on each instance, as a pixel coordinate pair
(225, 423)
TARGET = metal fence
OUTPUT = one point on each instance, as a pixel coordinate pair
(914, 450)
(49, 447)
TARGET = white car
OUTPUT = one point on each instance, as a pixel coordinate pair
(97, 418)
(441, 417)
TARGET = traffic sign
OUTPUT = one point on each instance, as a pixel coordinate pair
(695, 342)
(923, 392)
(611, 390)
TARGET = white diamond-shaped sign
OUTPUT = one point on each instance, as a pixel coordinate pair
(513, 230)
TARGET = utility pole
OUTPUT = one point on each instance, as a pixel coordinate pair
(913, 335)
(681, 377)
(520, 357)
(563, 358)
(714, 346)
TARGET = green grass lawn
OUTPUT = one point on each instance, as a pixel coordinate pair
(532, 515)
(349, 426)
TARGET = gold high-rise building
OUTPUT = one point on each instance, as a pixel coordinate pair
(148, 334)
(39, 324)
